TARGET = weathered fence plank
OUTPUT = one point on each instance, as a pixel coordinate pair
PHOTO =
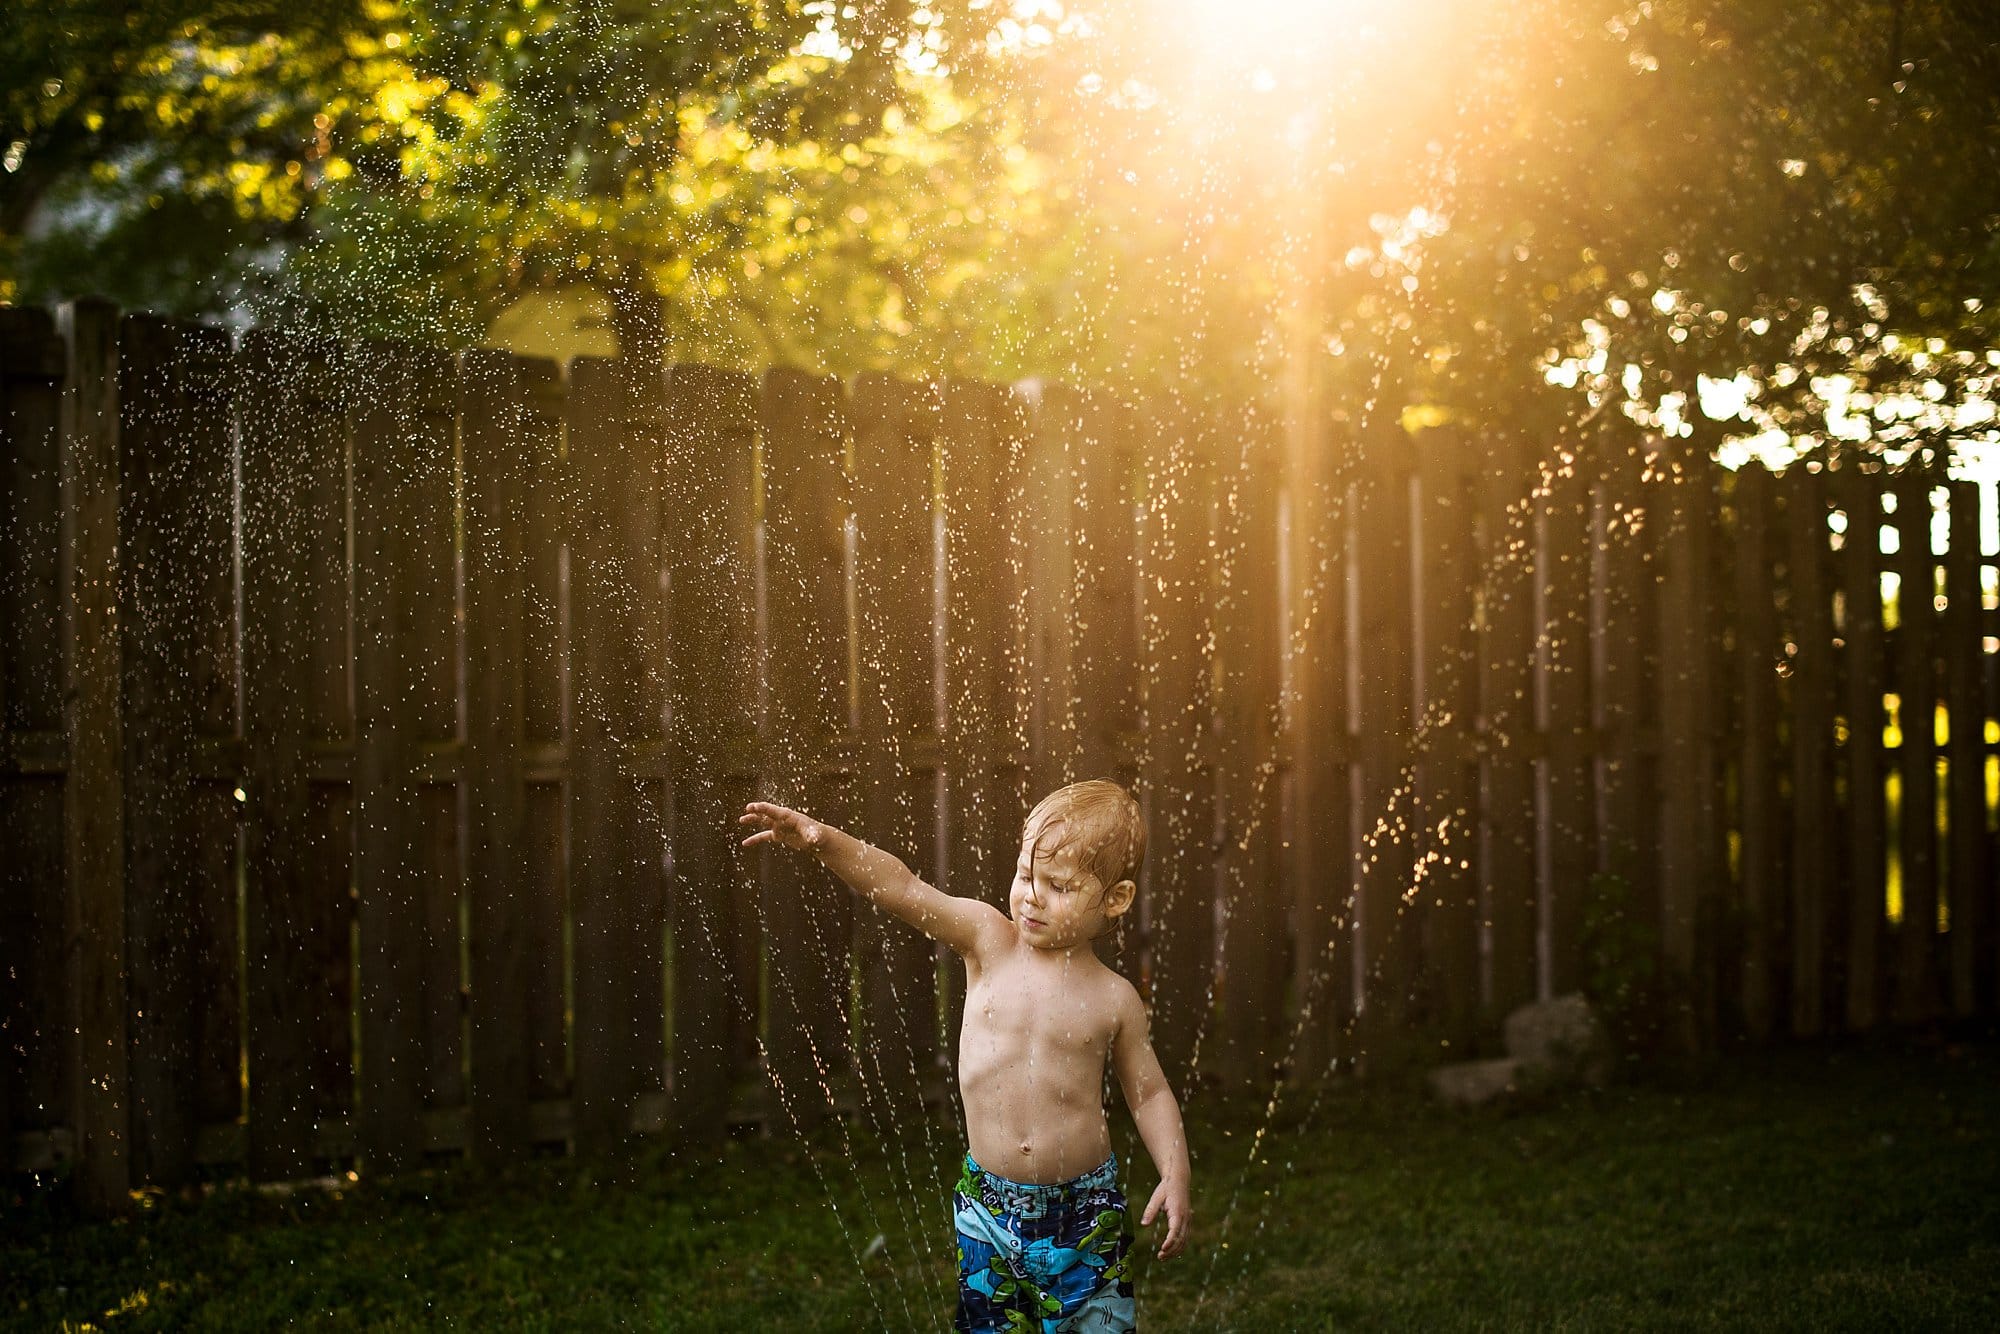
(1623, 685)
(1968, 856)
(1104, 634)
(1917, 979)
(1759, 867)
(713, 681)
(293, 430)
(1255, 956)
(1811, 725)
(1506, 604)
(985, 745)
(1322, 871)
(1690, 824)
(175, 519)
(895, 426)
(497, 436)
(808, 914)
(95, 796)
(1859, 489)
(1379, 662)
(405, 400)
(1444, 672)
(38, 1061)
(1566, 819)
(1177, 784)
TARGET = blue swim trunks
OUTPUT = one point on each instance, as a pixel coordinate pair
(1047, 1258)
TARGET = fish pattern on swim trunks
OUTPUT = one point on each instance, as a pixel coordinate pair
(1054, 1259)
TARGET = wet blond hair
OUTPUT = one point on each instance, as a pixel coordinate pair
(1099, 818)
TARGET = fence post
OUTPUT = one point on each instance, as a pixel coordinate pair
(94, 805)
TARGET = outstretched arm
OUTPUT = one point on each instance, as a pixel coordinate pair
(876, 876)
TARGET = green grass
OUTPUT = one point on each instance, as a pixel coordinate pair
(1823, 1188)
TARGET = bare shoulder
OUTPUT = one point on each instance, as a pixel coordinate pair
(1122, 1001)
(992, 930)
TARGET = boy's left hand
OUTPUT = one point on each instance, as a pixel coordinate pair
(1173, 1197)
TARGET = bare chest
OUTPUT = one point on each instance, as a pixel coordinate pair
(1020, 1010)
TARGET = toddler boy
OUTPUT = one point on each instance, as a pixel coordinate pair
(1043, 1234)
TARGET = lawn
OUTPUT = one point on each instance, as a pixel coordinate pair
(1830, 1187)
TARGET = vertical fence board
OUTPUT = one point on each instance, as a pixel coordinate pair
(894, 425)
(496, 436)
(291, 425)
(1176, 786)
(1568, 840)
(1104, 636)
(1968, 856)
(1689, 790)
(1255, 955)
(1756, 555)
(625, 424)
(1446, 894)
(1916, 991)
(808, 913)
(404, 399)
(1322, 868)
(1865, 846)
(548, 508)
(95, 800)
(1379, 656)
(1506, 606)
(712, 645)
(984, 749)
(1047, 514)
(1623, 625)
(37, 1059)
(1812, 744)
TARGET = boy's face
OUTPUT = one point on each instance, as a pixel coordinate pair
(1055, 901)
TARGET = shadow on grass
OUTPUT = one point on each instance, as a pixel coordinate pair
(1831, 1187)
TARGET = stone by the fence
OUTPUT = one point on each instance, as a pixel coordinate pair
(1561, 1038)
(1474, 1083)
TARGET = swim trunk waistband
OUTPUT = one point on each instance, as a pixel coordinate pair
(1036, 1198)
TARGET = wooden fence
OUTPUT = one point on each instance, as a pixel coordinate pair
(374, 719)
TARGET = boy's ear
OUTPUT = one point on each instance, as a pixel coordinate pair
(1118, 898)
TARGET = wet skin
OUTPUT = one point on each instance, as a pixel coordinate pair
(1043, 1013)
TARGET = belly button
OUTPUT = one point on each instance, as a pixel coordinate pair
(1027, 1148)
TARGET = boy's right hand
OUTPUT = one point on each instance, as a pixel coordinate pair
(781, 824)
